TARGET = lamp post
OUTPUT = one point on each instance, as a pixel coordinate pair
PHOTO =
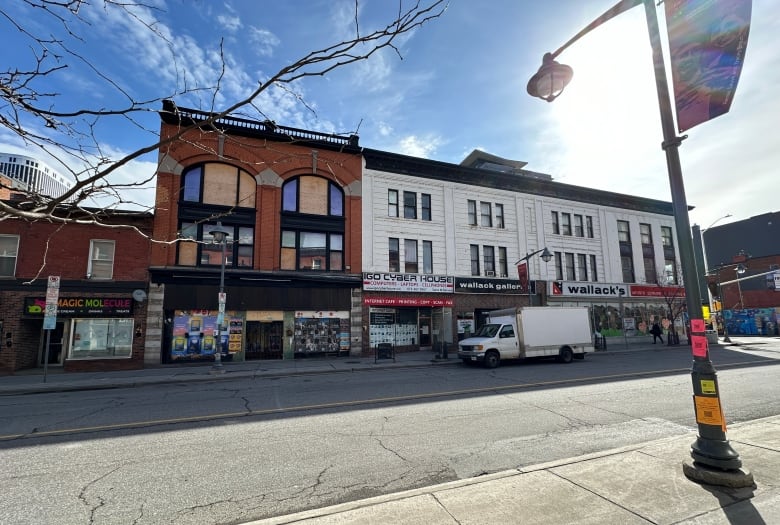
(546, 256)
(714, 460)
(220, 237)
(700, 250)
(740, 269)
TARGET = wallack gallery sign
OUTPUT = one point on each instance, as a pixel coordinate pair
(505, 286)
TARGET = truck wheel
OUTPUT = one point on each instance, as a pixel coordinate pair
(492, 359)
(565, 355)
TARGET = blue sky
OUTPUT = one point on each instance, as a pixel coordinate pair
(459, 84)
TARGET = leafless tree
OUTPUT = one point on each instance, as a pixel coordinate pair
(674, 297)
(32, 111)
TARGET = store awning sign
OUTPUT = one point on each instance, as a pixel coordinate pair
(408, 282)
(80, 306)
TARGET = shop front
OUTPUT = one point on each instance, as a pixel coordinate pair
(91, 332)
(264, 317)
(620, 310)
(408, 311)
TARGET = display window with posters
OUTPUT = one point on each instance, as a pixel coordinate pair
(196, 336)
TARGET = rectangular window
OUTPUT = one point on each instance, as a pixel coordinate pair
(589, 226)
(594, 274)
(426, 206)
(670, 269)
(427, 257)
(472, 212)
(392, 203)
(570, 275)
(555, 227)
(394, 259)
(624, 233)
(410, 256)
(666, 237)
(410, 205)
(650, 273)
(490, 261)
(312, 250)
(101, 338)
(582, 266)
(336, 252)
(9, 250)
(565, 224)
(558, 266)
(101, 259)
(289, 250)
(474, 252)
(627, 265)
(502, 262)
(486, 216)
(578, 227)
(499, 216)
(645, 234)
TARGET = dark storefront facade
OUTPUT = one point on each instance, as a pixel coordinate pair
(265, 317)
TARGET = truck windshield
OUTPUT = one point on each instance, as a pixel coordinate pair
(488, 330)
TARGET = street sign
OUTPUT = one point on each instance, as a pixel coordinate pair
(52, 296)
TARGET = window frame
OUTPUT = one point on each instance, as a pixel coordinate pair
(393, 254)
(425, 206)
(392, 203)
(427, 266)
(410, 205)
(579, 230)
(471, 212)
(4, 255)
(93, 244)
(556, 229)
(485, 214)
(489, 258)
(566, 224)
(499, 211)
(411, 250)
(475, 262)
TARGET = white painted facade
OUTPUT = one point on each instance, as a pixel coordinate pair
(527, 227)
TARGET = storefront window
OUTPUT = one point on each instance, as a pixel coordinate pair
(321, 335)
(101, 338)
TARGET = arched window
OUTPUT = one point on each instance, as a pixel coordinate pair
(312, 225)
(214, 192)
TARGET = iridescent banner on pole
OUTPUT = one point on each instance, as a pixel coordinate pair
(707, 42)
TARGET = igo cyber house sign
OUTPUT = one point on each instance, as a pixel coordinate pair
(408, 282)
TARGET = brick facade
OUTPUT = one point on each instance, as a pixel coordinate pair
(47, 249)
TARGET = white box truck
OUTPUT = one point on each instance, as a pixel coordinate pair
(536, 331)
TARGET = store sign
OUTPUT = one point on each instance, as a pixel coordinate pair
(81, 306)
(656, 291)
(580, 289)
(398, 301)
(408, 282)
(504, 286)
(613, 290)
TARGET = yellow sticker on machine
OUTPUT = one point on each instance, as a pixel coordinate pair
(708, 386)
(708, 411)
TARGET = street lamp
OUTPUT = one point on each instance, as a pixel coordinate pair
(741, 269)
(714, 460)
(546, 256)
(220, 237)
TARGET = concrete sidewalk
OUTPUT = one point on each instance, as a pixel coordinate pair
(640, 484)
(33, 380)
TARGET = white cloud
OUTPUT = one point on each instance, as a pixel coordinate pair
(230, 23)
(415, 146)
(263, 41)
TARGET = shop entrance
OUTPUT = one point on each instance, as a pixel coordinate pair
(425, 329)
(263, 340)
(55, 345)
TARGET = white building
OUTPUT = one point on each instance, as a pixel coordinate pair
(33, 175)
(441, 243)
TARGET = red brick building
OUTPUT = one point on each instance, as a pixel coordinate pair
(102, 290)
(289, 202)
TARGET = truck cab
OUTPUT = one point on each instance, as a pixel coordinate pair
(492, 342)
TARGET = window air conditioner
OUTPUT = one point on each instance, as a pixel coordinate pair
(490, 273)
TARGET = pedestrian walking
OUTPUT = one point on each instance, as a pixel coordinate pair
(656, 331)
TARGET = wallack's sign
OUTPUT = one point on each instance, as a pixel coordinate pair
(81, 306)
(504, 286)
(613, 290)
(580, 289)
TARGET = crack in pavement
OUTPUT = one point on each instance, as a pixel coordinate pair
(83, 496)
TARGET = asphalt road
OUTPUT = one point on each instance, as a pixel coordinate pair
(227, 452)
